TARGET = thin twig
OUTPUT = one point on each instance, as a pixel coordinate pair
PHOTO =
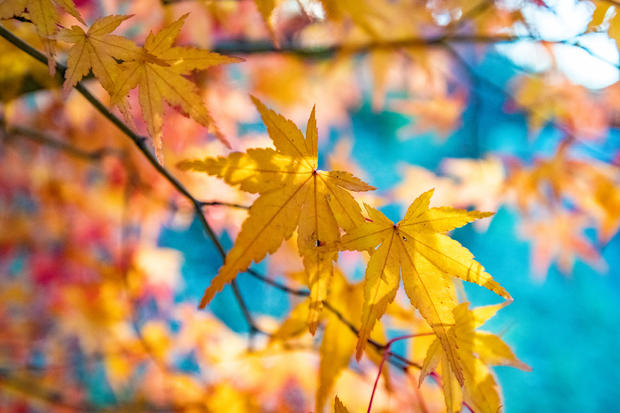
(221, 203)
(394, 358)
(53, 142)
(42, 138)
(385, 356)
(305, 293)
(280, 286)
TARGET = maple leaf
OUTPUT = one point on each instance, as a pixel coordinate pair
(158, 72)
(97, 49)
(477, 351)
(439, 113)
(417, 247)
(553, 97)
(293, 194)
(560, 237)
(590, 185)
(44, 16)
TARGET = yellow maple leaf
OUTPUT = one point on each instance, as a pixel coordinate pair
(97, 49)
(477, 351)
(44, 16)
(293, 194)
(158, 72)
(417, 247)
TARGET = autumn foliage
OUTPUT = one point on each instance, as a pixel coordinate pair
(152, 115)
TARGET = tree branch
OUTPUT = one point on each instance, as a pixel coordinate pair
(221, 203)
(282, 287)
(243, 47)
(55, 143)
(42, 138)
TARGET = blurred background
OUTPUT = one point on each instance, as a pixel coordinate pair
(514, 110)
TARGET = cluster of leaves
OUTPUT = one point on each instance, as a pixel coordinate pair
(156, 69)
(117, 307)
(296, 195)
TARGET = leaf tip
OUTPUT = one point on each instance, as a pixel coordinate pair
(206, 298)
(185, 164)
(312, 326)
(236, 59)
(257, 102)
(505, 294)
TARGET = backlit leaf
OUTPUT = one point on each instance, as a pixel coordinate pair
(417, 247)
(477, 351)
(294, 194)
(97, 49)
(158, 73)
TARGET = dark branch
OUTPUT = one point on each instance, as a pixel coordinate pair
(220, 203)
(282, 287)
(243, 47)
